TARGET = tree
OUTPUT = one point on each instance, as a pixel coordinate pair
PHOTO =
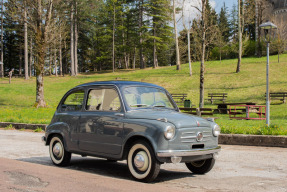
(239, 38)
(204, 31)
(26, 42)
(176, 37)
(2, 51)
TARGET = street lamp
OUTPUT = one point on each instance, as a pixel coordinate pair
(267, 27)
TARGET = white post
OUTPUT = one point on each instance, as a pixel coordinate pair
(267, 89)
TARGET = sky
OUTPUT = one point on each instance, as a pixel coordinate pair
(217, 4)
(191, 13)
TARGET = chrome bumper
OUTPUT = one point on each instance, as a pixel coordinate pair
(184, 153)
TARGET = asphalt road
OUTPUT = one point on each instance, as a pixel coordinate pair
(25, 166)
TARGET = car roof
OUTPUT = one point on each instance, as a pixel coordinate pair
(119, 83)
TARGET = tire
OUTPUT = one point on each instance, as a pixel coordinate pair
(201, 167)
(58, 154)
(142, 162)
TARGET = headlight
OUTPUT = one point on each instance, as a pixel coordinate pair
(216, 130)
(169, 132)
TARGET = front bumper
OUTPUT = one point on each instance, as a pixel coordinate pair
(185, 153)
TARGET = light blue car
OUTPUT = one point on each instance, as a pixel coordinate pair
(133, 121)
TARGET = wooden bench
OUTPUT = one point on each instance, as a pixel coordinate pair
(217, 97)
(278, 96)
(179, 98)
(197, 111)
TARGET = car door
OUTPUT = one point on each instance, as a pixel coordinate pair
(69, 113)
(101, 124)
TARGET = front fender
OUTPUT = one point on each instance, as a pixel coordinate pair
(59, 128)
(151, 130)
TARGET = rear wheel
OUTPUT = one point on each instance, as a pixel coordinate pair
(58, 154)
(201, 167)
(142, 162)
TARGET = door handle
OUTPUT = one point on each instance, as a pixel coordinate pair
(119, 114)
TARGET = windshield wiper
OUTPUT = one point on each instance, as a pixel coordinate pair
(138, 105)
(158, 106)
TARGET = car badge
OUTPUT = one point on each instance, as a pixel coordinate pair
(199, 136)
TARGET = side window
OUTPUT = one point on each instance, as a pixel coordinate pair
(103, 100)
(74, 101)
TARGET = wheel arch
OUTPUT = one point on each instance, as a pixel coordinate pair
(132, 139)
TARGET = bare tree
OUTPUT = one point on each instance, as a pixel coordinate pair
(43, 26)
(281, 41)
(72, 41)
(205, 34)
(114, 30)
(76, 37)
(188, 29)
(26, 42)
(2, 51)
(176, 37)
(239, 38)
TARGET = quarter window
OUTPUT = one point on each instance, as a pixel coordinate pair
(103, 100)
(74, 101)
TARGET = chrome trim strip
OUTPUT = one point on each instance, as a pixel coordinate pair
(188, 132)
(188, 137)
(182, 153)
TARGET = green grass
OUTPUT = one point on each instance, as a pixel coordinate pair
(17, 99)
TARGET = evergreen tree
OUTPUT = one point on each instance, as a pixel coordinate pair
(223, 24)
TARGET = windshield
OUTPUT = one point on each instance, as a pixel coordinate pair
(147, 97)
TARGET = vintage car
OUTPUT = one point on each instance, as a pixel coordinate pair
(133, 121)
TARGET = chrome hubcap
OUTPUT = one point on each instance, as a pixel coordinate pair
(58, 150)
(141, 161)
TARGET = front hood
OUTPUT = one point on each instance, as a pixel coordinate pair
(180, 120)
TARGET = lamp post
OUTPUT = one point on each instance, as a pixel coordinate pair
(267, 27)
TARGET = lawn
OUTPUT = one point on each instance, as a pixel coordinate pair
(17, 99)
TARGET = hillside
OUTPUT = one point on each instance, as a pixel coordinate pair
(17, 99)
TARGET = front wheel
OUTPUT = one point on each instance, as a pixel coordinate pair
(201, 167)
(58, 154)
(142, 162)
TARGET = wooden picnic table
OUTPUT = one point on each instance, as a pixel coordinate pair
(248, 112)
(222, 108)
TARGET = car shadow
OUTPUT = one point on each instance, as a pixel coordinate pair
(106, 168)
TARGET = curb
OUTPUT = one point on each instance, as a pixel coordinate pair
(23, 125)
(253, 140)
(226, 139)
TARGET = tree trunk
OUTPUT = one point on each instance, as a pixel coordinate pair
(189, 56)
(55, 60)
(114, 28)
(40, 100)
(155, 61)
(50, 61)
(76, 39)
(20, 61)
(239, 39)
(256, 28)
(134, 60)
(31, 56)
(142, 65)
(201, 86)
(2, 51)
(60, 53)
(176, 38)
(26, 42)
(72, 42)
